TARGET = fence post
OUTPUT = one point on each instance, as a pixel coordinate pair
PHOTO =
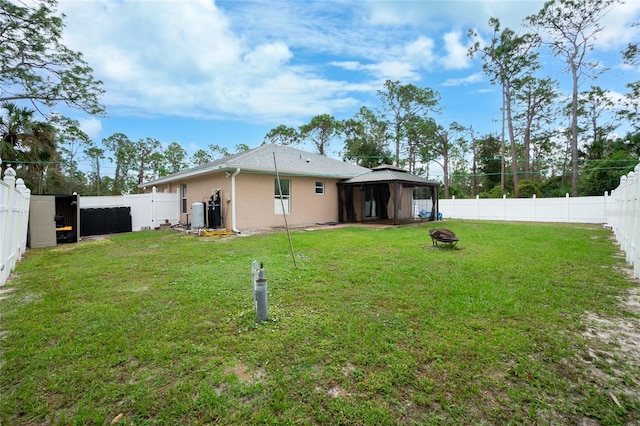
(627, 190)
(8, 231)
(504, 206)
(4, 218)
(534, 208)
(606, 208)
(22, 221)
(154, 208)
(453, 207)
(620, 204)
(636, 213)
(477, 207)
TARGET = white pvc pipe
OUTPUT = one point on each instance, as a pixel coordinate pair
(233, 200)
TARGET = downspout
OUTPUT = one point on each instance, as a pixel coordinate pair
(233, 200)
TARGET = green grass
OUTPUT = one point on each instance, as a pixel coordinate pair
(374, 327)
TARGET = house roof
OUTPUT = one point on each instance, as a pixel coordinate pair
(386, 173)
(290, 161)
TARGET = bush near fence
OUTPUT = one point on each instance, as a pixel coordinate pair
(14, 220)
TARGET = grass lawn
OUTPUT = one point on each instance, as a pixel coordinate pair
(374, 327)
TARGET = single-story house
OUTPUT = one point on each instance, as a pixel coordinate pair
(241, 192)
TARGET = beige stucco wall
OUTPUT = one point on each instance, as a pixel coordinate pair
(199, 189)
(255, 199)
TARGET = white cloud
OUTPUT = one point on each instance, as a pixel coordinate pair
(385, 70)
(456, 57)
(421, 51)
(459, 13)
(259, 61)
(617, 26)
(348, 65)
(91, 126)
(473, 78)
(268, 57)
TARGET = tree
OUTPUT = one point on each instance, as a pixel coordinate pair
(95, 154)
(148, 158)
(201, 157)
(594, 108)
(489, 163)
(439, 145)
(282, 135)
(400, 103)
(508, 57)
(474, 162)
(36, 66)
(603, 174)
(241, 147)
(174, 159)
(534, 100)
(631, 103)
(320, 131)
(218, 151)
(124, 154)
(72, 142)
(43, 151)
(366, 139)
(571, 27)
(26, 141)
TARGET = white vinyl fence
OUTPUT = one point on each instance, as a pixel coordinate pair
(148, 211)
(561, 209)
(623, 213)
(620, 211)
(14, 219)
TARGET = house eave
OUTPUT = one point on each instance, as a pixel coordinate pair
(231, 168)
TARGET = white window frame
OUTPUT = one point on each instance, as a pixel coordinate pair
(319, 186)
(286, 197)
(183, 192)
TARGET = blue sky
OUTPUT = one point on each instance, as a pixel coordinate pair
(226, 72)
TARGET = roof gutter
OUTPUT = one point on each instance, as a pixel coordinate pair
(233, 201)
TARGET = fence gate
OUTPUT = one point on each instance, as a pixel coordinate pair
(42, 223)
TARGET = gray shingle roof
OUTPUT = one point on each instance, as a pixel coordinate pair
(290, 161)
(387, 173)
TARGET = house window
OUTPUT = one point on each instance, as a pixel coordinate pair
(319, 187)
(184, 197)
(285, 184)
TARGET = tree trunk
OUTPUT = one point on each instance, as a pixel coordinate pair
(512, 139)
(527, 147)
(397, 145)
(474, 181)
(445, 163)
(97, 177)
(116, 179)
(502, 165)
(574, 132)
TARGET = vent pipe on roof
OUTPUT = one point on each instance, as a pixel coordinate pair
(233, 200)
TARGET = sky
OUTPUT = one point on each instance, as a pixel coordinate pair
(204, 72)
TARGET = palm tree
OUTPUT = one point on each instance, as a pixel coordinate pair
(25, 141)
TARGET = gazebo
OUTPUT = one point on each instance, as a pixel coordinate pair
(384, 193)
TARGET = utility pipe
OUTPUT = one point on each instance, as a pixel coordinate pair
(233, 201)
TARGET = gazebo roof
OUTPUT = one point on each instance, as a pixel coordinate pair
(387, 173)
